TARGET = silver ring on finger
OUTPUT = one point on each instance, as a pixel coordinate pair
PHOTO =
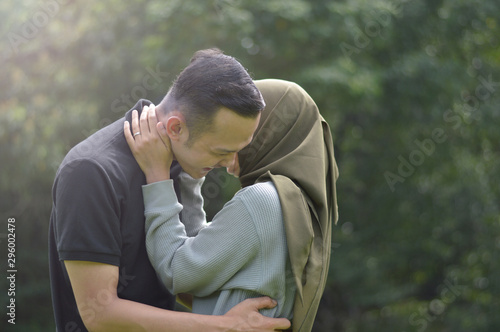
(137, 133)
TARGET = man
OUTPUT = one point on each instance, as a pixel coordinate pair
(101, 277)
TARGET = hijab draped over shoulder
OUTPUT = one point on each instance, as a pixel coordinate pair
(293, 148)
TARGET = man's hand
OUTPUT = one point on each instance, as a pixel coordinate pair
(247, 317)
(149, 144)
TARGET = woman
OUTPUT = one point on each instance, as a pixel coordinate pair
(273, 238)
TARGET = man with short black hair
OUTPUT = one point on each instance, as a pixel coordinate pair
(101, 277)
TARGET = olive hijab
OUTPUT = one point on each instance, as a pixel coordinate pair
(293, 147)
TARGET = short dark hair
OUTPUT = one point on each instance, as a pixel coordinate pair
(212, 80)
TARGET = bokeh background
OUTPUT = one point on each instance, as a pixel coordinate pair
(411, 89)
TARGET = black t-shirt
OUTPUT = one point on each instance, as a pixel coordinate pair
(98, 216)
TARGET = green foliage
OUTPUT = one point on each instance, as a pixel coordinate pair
(411, 89)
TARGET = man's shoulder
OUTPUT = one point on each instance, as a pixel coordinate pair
(106, 150)
(97, 142)
(107, 143)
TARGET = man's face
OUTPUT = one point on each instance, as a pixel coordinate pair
(216, 147)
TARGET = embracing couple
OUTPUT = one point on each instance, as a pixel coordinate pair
(128, 231)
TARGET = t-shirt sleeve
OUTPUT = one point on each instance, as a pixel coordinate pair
(198, 265)
(87, 222)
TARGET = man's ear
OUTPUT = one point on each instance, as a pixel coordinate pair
(175, 127)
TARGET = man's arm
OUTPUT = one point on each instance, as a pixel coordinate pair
(94, 286)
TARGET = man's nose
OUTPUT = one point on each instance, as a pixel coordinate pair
(234, 167)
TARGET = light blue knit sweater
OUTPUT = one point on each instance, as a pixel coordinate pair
(241, 254)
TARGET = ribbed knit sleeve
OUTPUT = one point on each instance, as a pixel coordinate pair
(242, 253)
(198, 265)
(192, 215)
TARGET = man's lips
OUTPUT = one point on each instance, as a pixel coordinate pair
(211, 168)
